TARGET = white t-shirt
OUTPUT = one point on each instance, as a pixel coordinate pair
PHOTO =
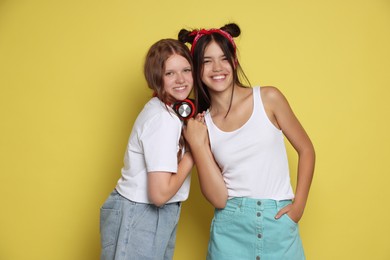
(153, 146)
(253, 158)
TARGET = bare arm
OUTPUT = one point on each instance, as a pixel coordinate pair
(282, 116)
(162, 186)
(210, 178)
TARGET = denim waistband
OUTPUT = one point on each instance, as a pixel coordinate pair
(258, 203)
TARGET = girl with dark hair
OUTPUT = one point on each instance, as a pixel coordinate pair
(138, 220)
(239, 151)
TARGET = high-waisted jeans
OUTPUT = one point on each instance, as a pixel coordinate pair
(137, 231)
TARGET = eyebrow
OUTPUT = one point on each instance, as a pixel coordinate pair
(209, 57)
(187, 67)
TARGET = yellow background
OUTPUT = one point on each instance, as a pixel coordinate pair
(72, 85)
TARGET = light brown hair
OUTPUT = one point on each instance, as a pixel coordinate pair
(154, 67)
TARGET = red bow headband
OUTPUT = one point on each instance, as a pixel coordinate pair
(199, 33)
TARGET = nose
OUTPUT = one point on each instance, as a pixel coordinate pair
(217, 66)
(179, 78)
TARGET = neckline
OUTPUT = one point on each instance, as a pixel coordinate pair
(243, 125)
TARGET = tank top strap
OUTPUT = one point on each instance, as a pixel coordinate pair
(258, 108)
(256, 99)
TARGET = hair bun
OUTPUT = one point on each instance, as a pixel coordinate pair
(184, 36)
(232, 28)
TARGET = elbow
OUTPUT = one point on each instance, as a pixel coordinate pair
(158, 202)
(218, 202)
(308, 153)
(312, 155)
(157, 199)
(313, 151)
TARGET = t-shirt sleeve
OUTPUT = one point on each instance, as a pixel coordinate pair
(160, 143)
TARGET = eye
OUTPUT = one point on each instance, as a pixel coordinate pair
(206, 61)
(168, 73)
(187, 70)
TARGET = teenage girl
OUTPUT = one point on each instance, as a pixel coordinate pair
(240, 155)
(138, 220)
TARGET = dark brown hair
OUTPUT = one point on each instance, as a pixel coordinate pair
(202, 95)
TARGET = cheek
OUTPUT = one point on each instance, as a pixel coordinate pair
(203, 74)
(189, 79)
(206, 70)
(227, 67)
(167, 83)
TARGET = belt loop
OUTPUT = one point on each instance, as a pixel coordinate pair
(277, 204)
(242, 202)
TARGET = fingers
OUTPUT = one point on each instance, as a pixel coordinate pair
(200, 117)
(280, 213)
(283, 211)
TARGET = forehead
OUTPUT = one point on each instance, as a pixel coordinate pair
(213, 49)
(176, 61)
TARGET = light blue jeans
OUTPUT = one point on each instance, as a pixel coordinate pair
(137, 231)
(247, 229)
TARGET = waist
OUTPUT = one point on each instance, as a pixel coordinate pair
(258, 203)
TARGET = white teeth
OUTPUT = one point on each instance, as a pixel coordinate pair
(219, 77)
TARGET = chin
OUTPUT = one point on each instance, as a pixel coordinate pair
(181, 96)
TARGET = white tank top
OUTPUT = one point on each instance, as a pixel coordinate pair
(253, 158)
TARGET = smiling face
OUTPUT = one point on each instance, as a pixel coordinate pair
(177, 78)
(217, 71)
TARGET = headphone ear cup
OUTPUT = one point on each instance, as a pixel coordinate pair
(185, 109)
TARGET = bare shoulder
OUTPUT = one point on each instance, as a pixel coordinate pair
(271, 95)
(277, 107)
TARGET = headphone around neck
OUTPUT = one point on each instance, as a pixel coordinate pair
(185, 109)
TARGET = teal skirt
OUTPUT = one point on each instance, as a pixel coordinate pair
(246, 229)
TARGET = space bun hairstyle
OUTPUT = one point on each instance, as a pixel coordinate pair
(228, 31)
(199, 40)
